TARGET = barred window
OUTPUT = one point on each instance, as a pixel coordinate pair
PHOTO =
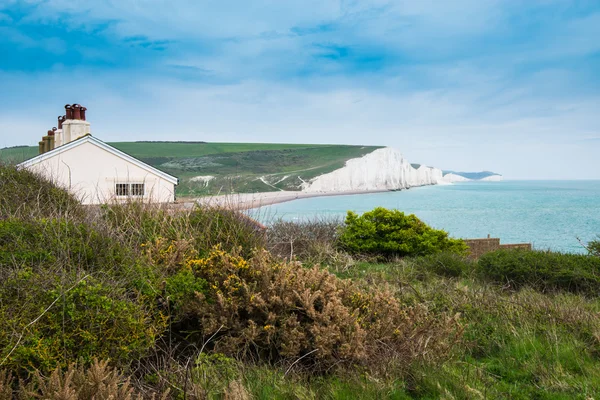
(122, 189)
(130, 189)
(137, 189)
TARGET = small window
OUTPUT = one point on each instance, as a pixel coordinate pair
(122, 189)
(137, 189)
(130, 189)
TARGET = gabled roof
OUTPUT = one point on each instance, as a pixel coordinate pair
(97, 142)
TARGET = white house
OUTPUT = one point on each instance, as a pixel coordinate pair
(94, 171)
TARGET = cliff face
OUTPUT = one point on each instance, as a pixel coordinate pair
(451, 178)
(493, 178)
(383, 169)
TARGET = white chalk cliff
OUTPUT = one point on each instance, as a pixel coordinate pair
(382, 169)
(493, 178)
(451, 178)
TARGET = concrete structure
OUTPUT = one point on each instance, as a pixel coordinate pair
(94, 171)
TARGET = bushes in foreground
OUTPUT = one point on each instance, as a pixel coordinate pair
(543, 270)
(24, 194)
(262, 309)
(391, 233)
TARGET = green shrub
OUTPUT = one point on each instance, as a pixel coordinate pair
(51, 241)
(543, 270)
(389, 233)
(446, 264)
(70, 293)
(50, 320)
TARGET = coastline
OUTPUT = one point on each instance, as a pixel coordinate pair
(248, 201)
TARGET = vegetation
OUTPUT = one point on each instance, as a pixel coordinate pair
(135, 301)
(391, 233)
(543, 270)
(593, 247)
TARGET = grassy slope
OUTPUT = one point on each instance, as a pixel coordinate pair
(237, 167)
(518, 344)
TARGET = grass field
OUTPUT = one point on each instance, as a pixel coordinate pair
(232, 167)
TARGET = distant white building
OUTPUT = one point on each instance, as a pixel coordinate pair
(94, 171)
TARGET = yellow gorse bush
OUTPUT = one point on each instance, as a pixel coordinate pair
(262, 308)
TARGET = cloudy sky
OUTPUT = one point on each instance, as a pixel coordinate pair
(511, 86)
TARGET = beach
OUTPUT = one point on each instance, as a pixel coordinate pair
(247, 201)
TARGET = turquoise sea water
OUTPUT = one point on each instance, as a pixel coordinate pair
(548, 214)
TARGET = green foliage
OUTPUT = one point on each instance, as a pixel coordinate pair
(446, 264)
(52, 320)
(389, 233)
(182, 288)
(48, 241)
(543, 270)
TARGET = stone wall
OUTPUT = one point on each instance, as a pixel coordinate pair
(479, 247)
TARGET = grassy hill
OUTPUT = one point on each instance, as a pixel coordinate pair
(232, 167)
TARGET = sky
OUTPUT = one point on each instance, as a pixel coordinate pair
(511, 86)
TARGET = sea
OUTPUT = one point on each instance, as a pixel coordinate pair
(551, 215)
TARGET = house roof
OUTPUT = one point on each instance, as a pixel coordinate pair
(97, 142)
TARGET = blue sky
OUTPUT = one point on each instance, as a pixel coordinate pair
(511, 86)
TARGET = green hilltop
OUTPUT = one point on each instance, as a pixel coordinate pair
(211, 168)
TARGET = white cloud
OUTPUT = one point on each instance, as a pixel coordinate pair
(255, 78)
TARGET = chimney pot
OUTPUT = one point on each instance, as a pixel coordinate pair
(61, 119)
(76, 111)
(83, 110)
(68, 112)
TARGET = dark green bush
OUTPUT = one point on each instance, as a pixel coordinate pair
(70, 293)
(50, 319)
(446, 264)
(389, 233)
(51, 241)
(543, 270)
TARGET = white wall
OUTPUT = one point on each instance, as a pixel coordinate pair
(91, 173)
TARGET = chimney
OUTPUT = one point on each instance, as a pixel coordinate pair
(41, 147)
(58, 136)
(46, 140)
(50, 140)
(73, 124)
